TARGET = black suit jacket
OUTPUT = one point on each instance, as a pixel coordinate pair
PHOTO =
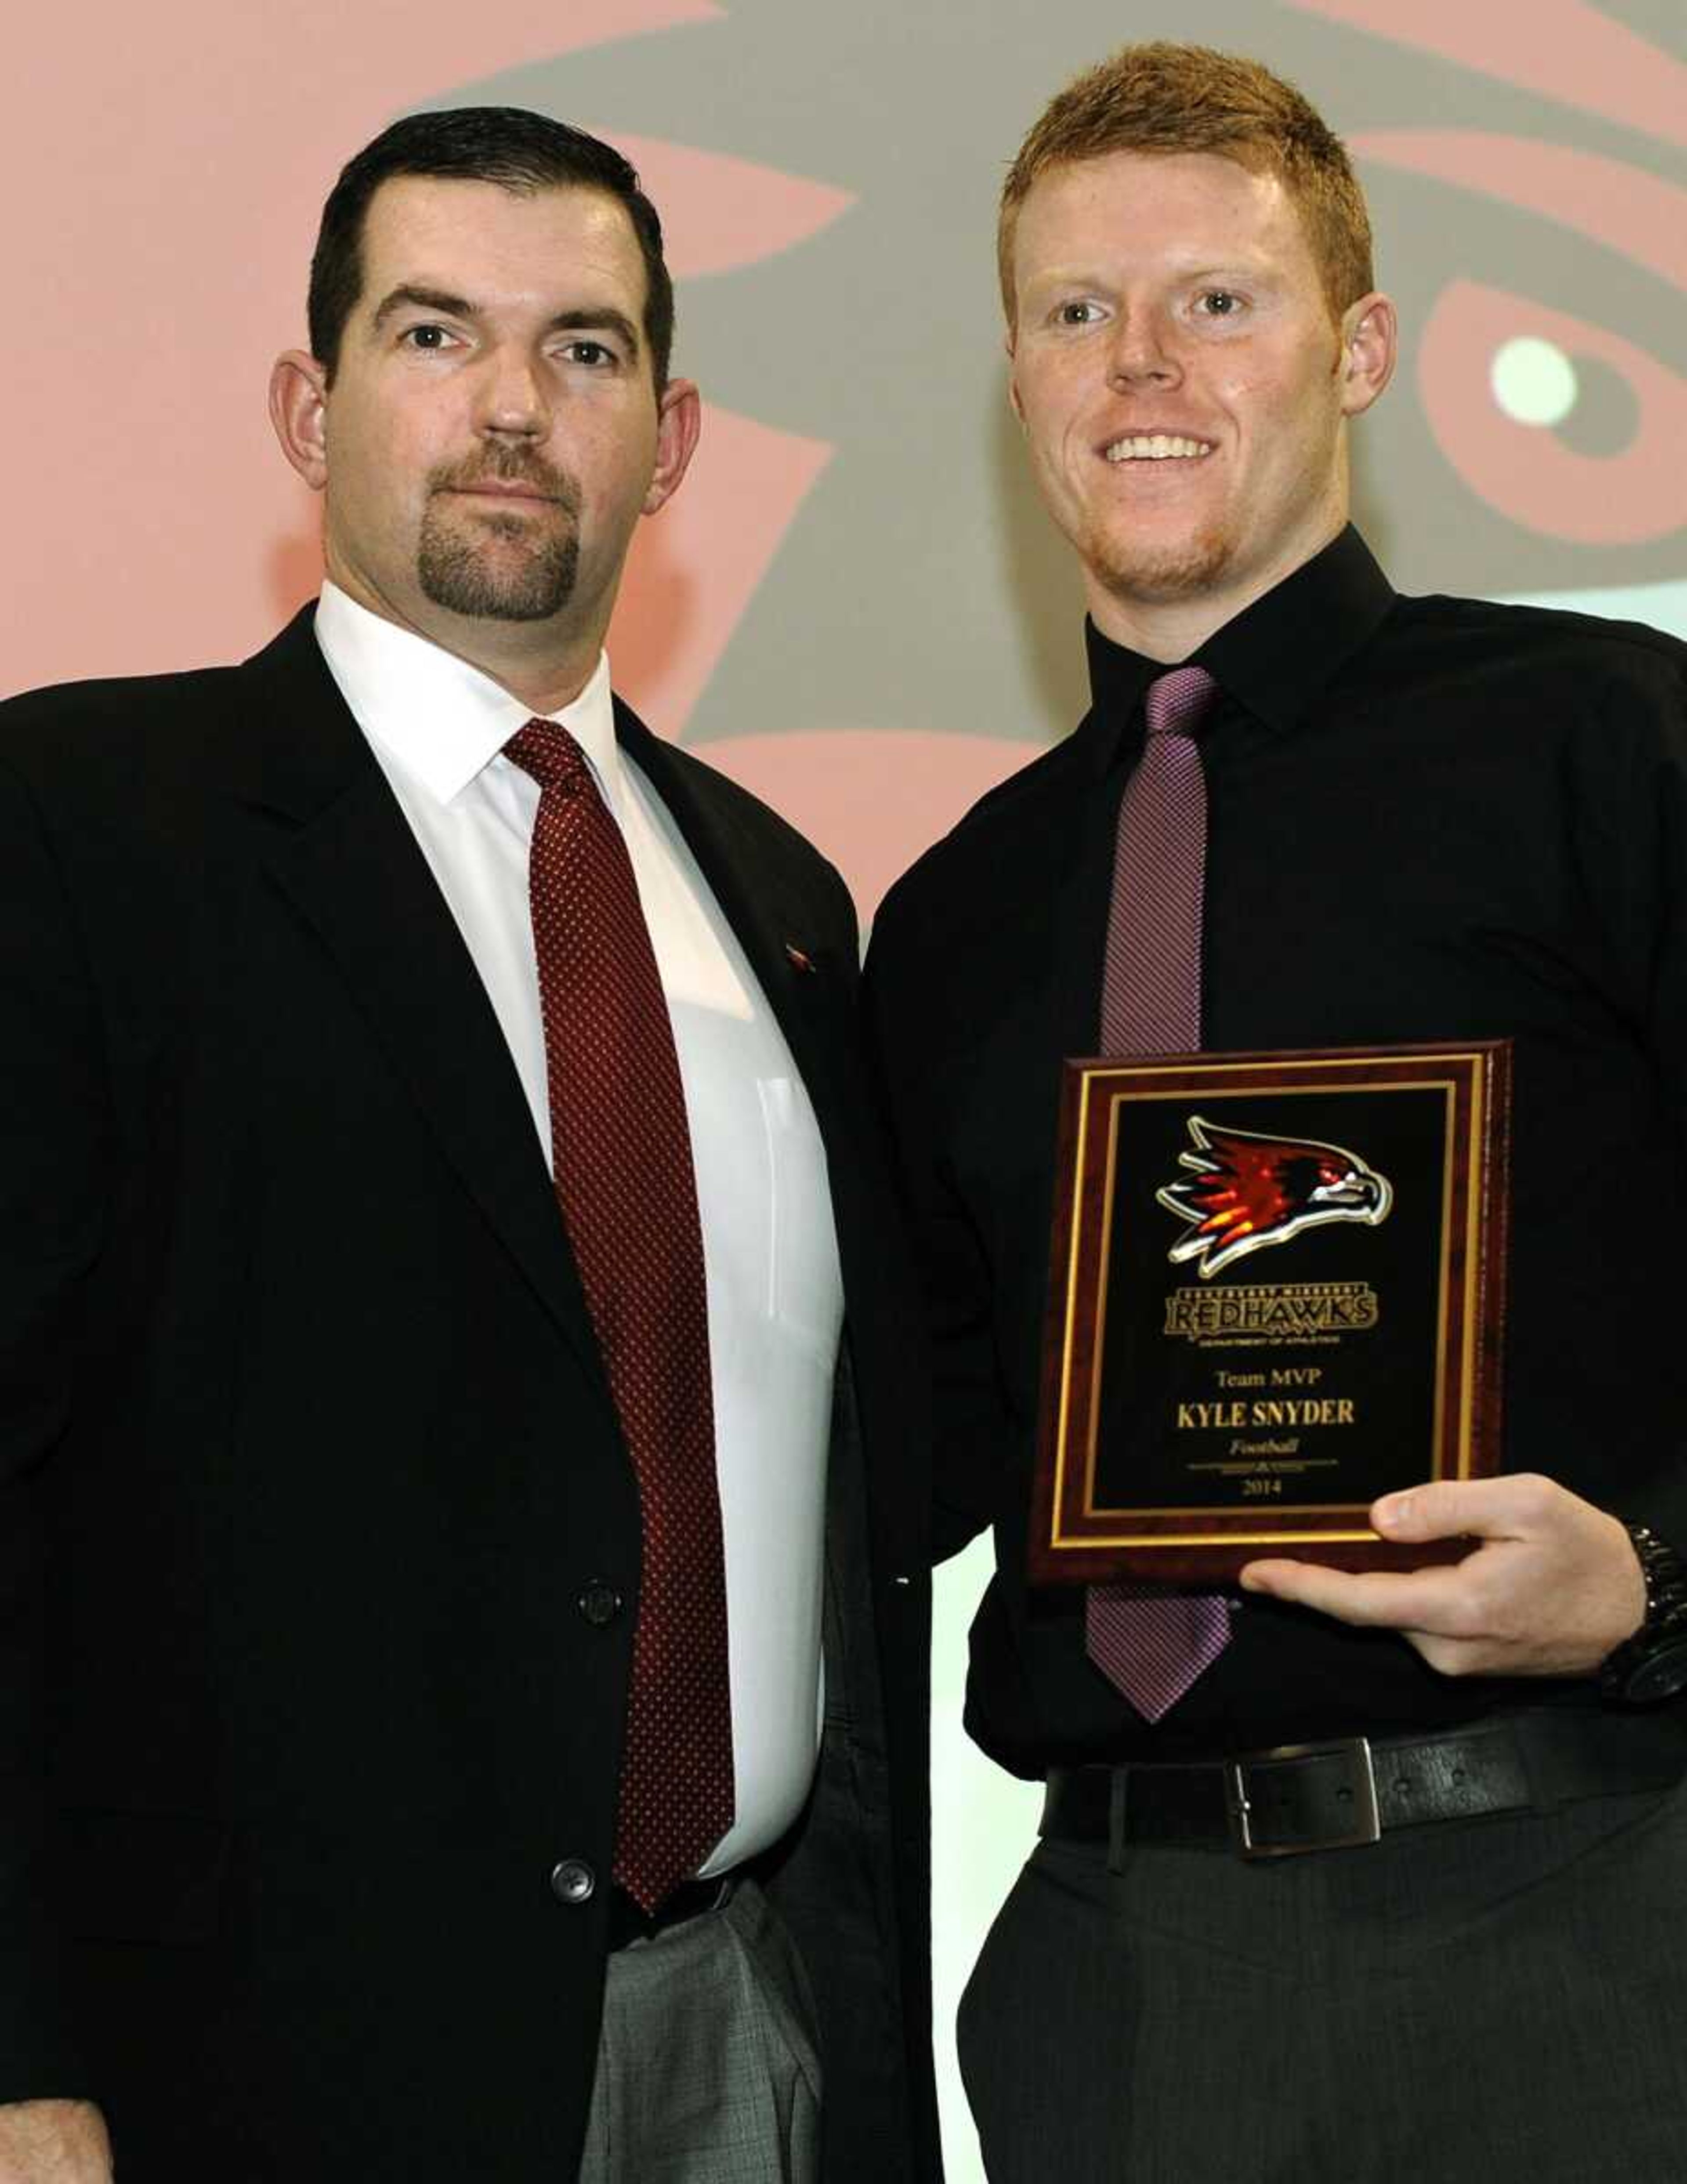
(308, 1461)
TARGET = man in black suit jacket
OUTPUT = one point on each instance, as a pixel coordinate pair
(319, 1542)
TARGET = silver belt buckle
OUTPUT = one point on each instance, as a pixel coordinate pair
(1361, 1783)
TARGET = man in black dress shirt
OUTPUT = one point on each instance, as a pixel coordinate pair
(1427, 820)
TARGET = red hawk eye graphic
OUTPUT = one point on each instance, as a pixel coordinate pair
(1246, 1190)
(1564, 426)
(1513, 448)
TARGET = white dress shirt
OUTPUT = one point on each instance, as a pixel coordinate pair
(437, 727)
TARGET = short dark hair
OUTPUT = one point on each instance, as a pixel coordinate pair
(1164, 97)
(519, 150)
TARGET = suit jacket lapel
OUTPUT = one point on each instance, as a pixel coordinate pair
(770, 918)
(772, 909)
(346, 858)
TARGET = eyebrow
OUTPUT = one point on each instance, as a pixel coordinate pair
(1081, 274)
(1234, 269)
(411, 296)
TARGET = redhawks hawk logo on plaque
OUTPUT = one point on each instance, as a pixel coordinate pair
(1248, 1190)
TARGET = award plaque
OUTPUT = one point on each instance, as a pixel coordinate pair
(1277, 1291)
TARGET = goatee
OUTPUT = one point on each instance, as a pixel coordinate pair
(493, 566)
(461, 574)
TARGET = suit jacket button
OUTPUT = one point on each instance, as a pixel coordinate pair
(573, 1882)
(599, 1603)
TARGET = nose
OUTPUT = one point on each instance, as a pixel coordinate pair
(513, 402)
(1142, 353)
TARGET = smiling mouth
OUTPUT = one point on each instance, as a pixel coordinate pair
(1157, 448)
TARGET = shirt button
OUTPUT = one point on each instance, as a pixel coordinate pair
(599, 1603)
(573, 1881)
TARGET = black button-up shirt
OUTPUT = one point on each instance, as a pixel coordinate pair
(1430, 819)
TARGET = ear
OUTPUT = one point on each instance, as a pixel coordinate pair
(679, 419)
(1013, 402)
(298, 394)
(1370, 337)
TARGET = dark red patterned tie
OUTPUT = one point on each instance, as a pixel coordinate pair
(1152, 1645)
(621, 1155)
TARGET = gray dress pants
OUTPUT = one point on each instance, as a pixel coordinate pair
(1501, 2001)
(707, 2069)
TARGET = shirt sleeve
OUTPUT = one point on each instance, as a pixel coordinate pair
(1630, 803)
(972, 1430)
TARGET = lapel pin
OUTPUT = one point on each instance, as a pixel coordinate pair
(797, 957)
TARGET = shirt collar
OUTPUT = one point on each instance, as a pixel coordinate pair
(434, 718)
(1274, 659)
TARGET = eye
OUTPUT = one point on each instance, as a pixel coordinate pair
(1220, 303)
(596, 355)
(427, 338)
(1076, 311)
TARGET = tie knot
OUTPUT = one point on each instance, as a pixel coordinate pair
(549, 754)
(1177, 702)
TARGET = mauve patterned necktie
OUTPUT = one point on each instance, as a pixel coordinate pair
(1152, 1645)
(621, 1157)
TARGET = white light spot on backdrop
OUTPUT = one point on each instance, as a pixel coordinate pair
(1533, 382)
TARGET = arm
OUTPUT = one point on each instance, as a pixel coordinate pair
(1552, 1584)
(973, 1434)
(54, 1133)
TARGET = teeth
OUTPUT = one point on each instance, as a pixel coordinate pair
(1156, 447)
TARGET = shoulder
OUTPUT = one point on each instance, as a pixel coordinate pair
(83, 742)
(113, 705)
(992, 847)
(141, 746)
(1578, 650)
(1600, 702)
(114, 708)
(739, 808)
(764, 847)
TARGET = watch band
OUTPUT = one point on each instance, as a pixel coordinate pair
(1652, 1664)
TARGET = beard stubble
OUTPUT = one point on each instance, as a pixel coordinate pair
(1133, 573)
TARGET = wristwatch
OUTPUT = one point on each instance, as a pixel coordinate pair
(1652, 1665)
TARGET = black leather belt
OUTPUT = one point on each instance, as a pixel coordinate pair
(1347, 1791)
(629, 1921)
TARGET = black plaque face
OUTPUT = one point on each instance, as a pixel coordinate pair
(1277, 1295)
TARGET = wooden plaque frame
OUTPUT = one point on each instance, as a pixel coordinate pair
(1193, 1421)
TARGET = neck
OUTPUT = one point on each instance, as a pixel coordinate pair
(541, 686)
(1168, 632)
(543, 665)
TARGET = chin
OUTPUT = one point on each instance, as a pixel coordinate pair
(465, 577)
(1161, 577)
(1157, 574)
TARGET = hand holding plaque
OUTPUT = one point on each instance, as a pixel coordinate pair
(1276, 1293)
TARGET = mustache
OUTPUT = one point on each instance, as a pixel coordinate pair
(509, 466)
